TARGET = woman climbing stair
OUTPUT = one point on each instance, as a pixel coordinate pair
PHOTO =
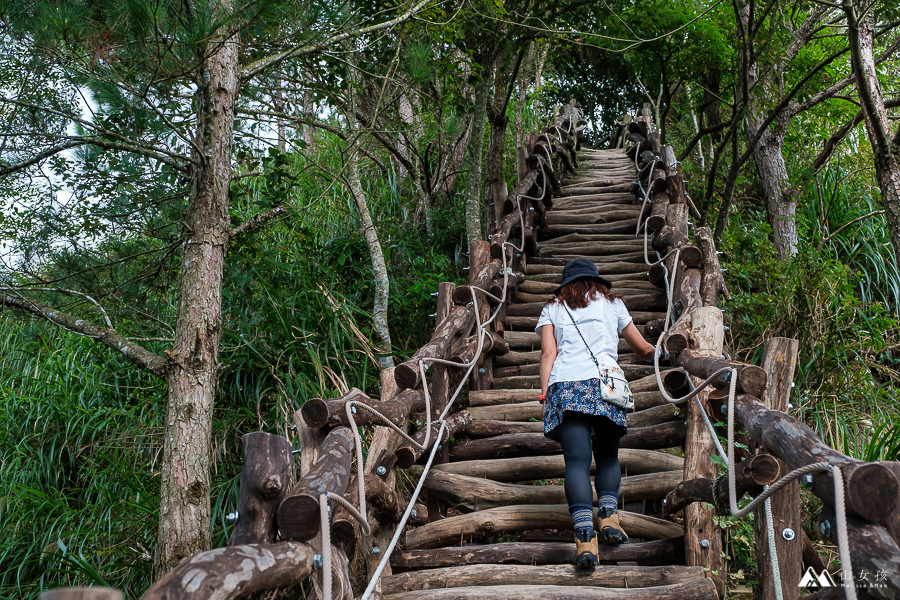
(579, 329)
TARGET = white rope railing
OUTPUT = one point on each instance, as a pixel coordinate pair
(482, 333)
(763, 498)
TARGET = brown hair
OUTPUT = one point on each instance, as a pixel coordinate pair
(581, 292)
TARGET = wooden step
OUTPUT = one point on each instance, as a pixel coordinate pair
(622, 257)
(696, 590)
(526, 411)
(532, 382)
(473, 493)
(634, 299)
(524, 517)
(591, 249)
(531, 468)
(532, 367)
(640, 379)
(595, 237)
(606, 576)
(616, 278)
(531, 286)
(643, 302)
(603, 267)
(592, 216)
(669, 551)
(480, 398)
(651, 437)
(525, 323)
(626, 226)
(511, 445)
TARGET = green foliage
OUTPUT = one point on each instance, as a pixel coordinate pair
(80, 456)
(838, 297)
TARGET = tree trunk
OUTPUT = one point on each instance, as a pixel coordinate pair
(886, 151)
(192, 376)
(497, 146)
(522, 97)
(475, 181)
(382, 281)
(781, 207)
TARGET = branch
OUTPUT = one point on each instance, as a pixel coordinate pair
(256, 221)
(7, 170)
(312, 123)
(782, 105)
(848, 224)
(879, 129)
(257, 67)
(832, 142)
(833, 89)
(164, 158)
(806, 30)
(108, 336)
(700, 135)
(124, 143)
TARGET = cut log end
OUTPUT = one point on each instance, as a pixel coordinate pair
(406, 376)
(315, 412)
(302, 529)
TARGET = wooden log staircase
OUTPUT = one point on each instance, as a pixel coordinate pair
(510, 534)
(491, 520)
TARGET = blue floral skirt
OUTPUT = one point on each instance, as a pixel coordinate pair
(578, 396)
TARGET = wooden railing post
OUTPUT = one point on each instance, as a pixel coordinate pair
(479, 255)
(440, 392)
(779, 361)
(702, 538)
(265, 479)
(380, 461)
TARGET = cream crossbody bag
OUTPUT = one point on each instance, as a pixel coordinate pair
(613, 385)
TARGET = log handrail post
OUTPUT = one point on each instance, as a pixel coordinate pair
(779, 361)
(479, 255)
(702, 537)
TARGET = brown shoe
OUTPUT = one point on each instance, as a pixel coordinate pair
(611, 531)
(586, 551)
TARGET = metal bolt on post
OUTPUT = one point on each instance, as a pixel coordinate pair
(381, 471)
(787, 533)
(704, 543)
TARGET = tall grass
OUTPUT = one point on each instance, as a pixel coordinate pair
(78, 464)
(838, 296)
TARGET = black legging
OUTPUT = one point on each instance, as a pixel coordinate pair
(575, 436)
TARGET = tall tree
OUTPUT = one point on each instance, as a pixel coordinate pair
(886, 149)
(176, 73)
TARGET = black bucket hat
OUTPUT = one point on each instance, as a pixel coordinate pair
(578, 268)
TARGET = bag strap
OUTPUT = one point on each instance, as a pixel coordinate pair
(593, 358)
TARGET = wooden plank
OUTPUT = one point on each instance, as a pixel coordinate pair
(475, 493)
(669, 551)
(606, 576)
(516, 518)
(531, 468)
(698, 590)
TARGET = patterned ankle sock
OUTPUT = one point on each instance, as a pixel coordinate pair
(607, 504)
(582, 516)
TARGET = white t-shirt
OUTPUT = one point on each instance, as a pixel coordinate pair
(600, 323)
